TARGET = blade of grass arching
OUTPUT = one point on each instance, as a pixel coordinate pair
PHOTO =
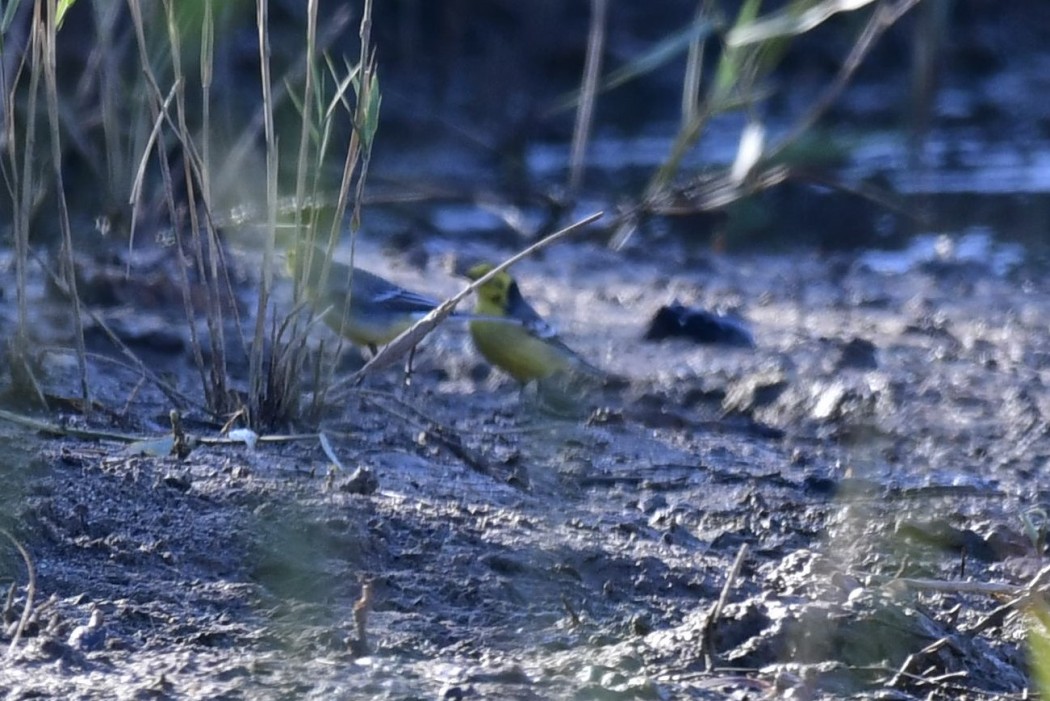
(60, 12)
(884, 16)
(156, 145)
(735, 76)
(789, 22)
(726, 76)
(343, 87)
(135, 196)
(256, 368)
(248, 139)
(25, 189)
(758, 61)
(728, 72)
(157, 115)
(108, 88)
(588, 94)
(207, 72)
(663, 52)
(207, 262)
(50, 61)
(306, 113)
(9, 15)
(358, 155)
(748, 63)
(167, 389)
(694, 68)
(207, 266)
(288, 358)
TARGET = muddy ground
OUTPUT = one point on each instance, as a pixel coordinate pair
(889, 429)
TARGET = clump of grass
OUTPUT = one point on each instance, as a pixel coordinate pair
(152, 133)
(324, 100)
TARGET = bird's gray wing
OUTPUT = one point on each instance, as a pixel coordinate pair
(518, 308)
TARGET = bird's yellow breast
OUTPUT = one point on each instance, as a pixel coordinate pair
(512, 348)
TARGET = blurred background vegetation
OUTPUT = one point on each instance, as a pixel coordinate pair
(480, 97)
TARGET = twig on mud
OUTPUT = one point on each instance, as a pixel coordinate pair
(166, 388)
(91, 434)
(940, 681)
(1034, 586)
(720, 678)
(30, 592)
(269, 438)
(948, 586)
(445, 436)
(574, 618)
(860, 491)
(359, 644)
(707, 634)
(183, 444)
(55, 429)
(392, 352)
(903, 672)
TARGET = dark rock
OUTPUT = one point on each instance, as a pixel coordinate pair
(679, 321)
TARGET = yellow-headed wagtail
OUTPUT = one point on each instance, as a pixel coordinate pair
(364, 307)
(527, 351)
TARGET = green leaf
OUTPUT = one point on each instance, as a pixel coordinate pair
(9, 15)
(797, 18)
(375, 99)
(60, 14)
(728, 72)
(368, 110)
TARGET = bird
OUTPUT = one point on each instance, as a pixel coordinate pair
(368, 309)
(528, 351)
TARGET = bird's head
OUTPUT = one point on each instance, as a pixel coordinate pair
(496, 290)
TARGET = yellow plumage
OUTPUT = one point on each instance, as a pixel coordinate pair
(529, 350)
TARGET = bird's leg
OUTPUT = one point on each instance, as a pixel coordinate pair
(408, 366)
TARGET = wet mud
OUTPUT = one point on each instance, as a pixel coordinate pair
(842, 511)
